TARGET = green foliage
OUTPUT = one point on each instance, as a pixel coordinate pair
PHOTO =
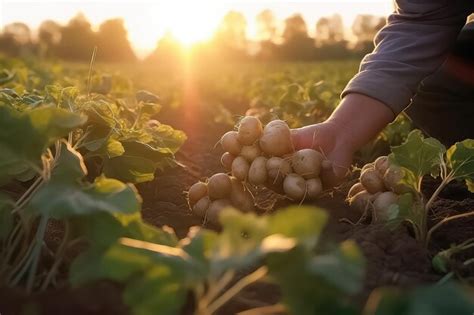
(160, 275)
(460, 158)
(25, 136)
(52, 131)
(419, 155)
(432, 300)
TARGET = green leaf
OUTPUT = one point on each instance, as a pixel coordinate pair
(60, 200)
(246, 238)
(167, 138)
(417, 154)
(304, 290)
(146, 96)
(159, 289)
(55, 122)
(97, 138)
(24, 137)
(6, 216)
(343, 268)
(69, 166)
(470, 185)
(460, 159)
(432, 300)
(133, 169)
(302, 223)
(114, 148)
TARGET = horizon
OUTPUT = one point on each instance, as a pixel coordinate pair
(145, 26)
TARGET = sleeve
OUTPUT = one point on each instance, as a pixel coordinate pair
(412, 45)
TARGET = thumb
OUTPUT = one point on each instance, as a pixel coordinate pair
(305, 137)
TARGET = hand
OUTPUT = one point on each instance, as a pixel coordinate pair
(326, 137)
(356, 121)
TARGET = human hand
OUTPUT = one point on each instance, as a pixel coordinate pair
(356, 121)
(327, 138)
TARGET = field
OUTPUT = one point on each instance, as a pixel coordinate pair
(95, 163)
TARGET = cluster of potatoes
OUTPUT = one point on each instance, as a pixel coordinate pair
(378, 188)
(258, 155)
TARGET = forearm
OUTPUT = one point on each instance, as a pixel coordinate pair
(360, 118)
(412, 45)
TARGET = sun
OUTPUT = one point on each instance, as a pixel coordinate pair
(190, 22)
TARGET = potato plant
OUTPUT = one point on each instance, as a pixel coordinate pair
(258, 155)
(391, 186)
(64, 154)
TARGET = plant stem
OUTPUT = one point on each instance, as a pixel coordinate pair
(29, 257)
(433, 197)
(236, 288)
(445, 279)
(446, 220)
(218, 287)
(58, 257)
(36, 252)
(270, 309)
(89, 76)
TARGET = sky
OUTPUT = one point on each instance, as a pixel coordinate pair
(188, 20)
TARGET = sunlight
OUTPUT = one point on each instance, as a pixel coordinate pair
(191, 22)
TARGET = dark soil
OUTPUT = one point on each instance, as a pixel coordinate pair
(393, 257)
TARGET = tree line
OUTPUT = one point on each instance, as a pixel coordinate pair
(75, 40)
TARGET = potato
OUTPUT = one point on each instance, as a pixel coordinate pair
(294, 186)
(240, 168)
(201, 206)
(392, 178)
(196, 192)
(382, 204)
(381, 164)
(230, 143)
(276, 139)
(372, 181)
(314, 188)
(367, 166)
(226, 160)
(250, 130)
(361, 201)
(356, 188)
(307, 163)
(215, 208)
(241, 198)
(258, 171)
(250, 152)
(219, 186)
(277, 169)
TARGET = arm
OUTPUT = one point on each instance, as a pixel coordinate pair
(412, 45)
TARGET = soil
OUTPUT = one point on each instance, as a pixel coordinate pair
(393, 257)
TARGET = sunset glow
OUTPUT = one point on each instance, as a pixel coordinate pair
(188, 21)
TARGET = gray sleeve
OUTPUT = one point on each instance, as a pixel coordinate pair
(412, 45)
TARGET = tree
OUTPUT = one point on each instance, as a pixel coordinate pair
(77, 39)
(230, 39)
(295, 27)
(16, 39)
(168, 52)
(297, 45)
(49, 32)
(365, 27)
(266, 26)
(232, 30)
(267, 33)
(329, 30)
(49, 36)
(112, 42)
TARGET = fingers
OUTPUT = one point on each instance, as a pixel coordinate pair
(300, 141)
